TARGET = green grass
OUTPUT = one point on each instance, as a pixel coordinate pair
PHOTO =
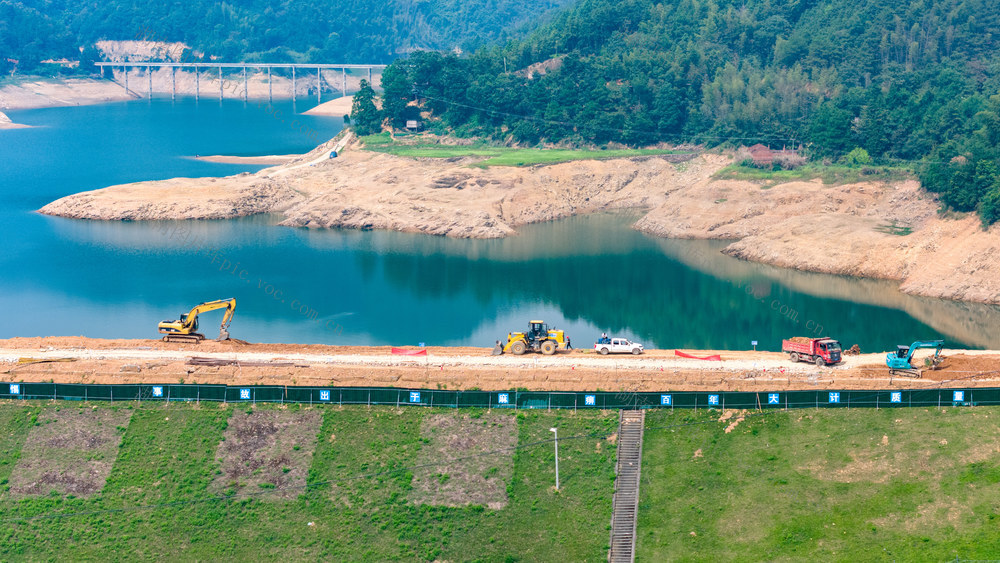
(15, 422)
(820, 485)
(894, 228)
(156, 503)
(830, 174)
(497, 156)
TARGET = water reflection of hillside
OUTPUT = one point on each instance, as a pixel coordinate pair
(976, 324)
(395, 287)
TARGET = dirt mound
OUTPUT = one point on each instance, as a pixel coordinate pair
(962, 367)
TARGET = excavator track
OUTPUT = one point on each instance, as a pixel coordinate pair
(194, 337)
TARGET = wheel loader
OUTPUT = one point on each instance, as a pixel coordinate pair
(538, 338)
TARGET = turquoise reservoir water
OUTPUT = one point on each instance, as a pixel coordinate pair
(586, 274)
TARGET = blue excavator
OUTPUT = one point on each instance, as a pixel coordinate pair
(899, 362)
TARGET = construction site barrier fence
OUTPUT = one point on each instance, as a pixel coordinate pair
(502, 399)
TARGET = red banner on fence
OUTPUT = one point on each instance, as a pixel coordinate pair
(405, 352)
(715, 358)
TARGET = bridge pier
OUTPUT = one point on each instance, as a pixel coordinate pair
(244, 84)
(319, 85)
(197, 86)
(220, 84)
(343, 87)
(370, 76)
(269, 97)
(293, 84)
(173, 83)
(125, 68)
(149, 85)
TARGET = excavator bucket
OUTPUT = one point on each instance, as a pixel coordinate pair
(223, 335)
(498, 349)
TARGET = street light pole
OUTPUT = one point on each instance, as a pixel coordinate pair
(556, 431)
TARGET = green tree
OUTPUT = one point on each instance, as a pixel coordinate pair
(397, 90)
(989, 207)
(366, 117)
(857, 157)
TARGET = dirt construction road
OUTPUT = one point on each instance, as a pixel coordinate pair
(85, 360)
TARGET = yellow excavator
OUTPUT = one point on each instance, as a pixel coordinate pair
(185, 329)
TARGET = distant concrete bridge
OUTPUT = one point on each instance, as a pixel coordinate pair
(198, 67)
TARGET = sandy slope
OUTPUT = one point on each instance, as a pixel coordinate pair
(368, 190)
(54, 93)
(842, 230)
(339, 107)
(268, 159)
(6, 123)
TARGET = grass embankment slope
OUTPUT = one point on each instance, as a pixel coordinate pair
(892, 484)
(363, 509)
(829, 174)
(417, 147)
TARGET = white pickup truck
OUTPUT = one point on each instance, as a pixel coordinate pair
(618, 346)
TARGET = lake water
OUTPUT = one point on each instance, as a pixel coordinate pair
(586, 274)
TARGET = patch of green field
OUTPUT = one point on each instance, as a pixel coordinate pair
(830, 174)
(157, 505)
(497, 156)
(15, 422)
(892, 484)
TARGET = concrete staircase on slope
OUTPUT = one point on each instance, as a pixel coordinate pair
(626, 499)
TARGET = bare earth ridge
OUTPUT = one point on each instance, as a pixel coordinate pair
(153, 361)
(839, 229)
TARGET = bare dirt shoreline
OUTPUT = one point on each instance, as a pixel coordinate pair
(44, 93)
(267, 159)
(153, 361)
(872, 229)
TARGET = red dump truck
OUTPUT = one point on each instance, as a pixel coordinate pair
(820, 351)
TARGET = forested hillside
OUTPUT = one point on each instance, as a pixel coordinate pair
(904, 80)
(363, 31)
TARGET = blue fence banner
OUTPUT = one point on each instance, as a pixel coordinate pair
(167, 392)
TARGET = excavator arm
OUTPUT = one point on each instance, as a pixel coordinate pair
(938, 344)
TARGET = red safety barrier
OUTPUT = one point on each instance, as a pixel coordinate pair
(405, 352)
(715, 358)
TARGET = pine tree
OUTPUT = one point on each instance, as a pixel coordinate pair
(366, 117)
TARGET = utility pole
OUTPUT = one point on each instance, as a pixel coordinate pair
(556, 431)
